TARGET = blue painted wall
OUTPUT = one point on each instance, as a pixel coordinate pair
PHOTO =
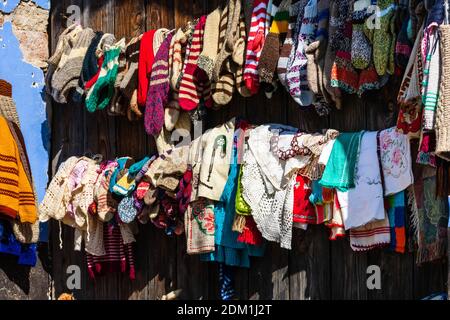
(28, 87)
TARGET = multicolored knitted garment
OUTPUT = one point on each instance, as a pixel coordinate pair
(396, 210)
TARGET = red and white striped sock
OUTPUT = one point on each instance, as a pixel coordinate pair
(194, 79)
(255, 44)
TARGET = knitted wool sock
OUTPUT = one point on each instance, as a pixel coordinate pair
(89, 68)
(171, 113)
(231, 37)
(403, 46)
(315, 54)
(145, 64)
(297, 74)
(102, 92)
(239, 59)
(211, 37)
(193, 77)
(343, 75)
(271, 51)
(130, 80)
(382, 37)
(158, 92)
(286, 48)
(361, 47)
(255, 44)
(176, 56)
(224, 88)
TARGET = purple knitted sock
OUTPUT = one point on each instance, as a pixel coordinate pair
(158, 92)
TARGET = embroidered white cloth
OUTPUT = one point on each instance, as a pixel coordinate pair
(395, 155)
(365, 202)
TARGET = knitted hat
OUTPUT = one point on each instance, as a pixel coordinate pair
(66, 76)
(65, 42)
(146, 57)
(102, 92)
(158, 92)
(90, 67)
(211, 37)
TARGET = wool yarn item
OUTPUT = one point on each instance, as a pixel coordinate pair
(100, 95)
(66, 76)
(194, 85)
(158, 93)
(146, 57)
(255, 44)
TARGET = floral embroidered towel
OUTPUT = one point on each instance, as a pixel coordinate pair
(396, 163)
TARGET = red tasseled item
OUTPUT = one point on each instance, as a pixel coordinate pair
(250, 234)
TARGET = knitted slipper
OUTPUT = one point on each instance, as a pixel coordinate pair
(382, 37)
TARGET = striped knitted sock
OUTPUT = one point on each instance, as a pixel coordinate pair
(297, 74)
(287, 45)
(158, 92)
(239, 59)
(193, 77)
(271, 51)
(255, 44)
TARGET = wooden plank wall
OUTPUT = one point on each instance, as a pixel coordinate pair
(315, 269)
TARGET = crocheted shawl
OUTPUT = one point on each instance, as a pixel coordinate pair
(340, 170)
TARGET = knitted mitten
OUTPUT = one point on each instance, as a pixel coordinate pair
(286, 48)
(382, 36)
(297, 74)
(255, 44)
(194, 79)
(158, 92)
(361, 47)
(211, 37)
(271, 51)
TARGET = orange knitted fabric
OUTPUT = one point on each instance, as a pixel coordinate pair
(16, 193)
